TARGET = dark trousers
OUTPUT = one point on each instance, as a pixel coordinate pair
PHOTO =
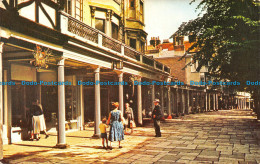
(157, 127)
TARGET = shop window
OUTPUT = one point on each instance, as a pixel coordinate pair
(100, 24)
(114, 31)
(133, 43)
(71, 103)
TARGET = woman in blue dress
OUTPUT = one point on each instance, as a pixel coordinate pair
(116, 120)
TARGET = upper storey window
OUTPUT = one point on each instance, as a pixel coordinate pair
(141, 11)
(74, 8)
(68, 7)
(115, 31)
(132, 4)
(100, 24)
(132, 11)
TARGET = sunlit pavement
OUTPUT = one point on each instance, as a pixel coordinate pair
(226, 136)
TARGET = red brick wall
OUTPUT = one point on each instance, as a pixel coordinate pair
(176, 67)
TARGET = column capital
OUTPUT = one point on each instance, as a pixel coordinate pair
(139, 78)
(93, 9)
(1, 47)
(109, 14)
(97, 69)
(61, 61)
(119, 73)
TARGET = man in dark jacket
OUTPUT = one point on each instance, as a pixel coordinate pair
(156, 116)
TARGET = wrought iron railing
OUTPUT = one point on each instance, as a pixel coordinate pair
(87, 32)
(81, 29)
(132, 53)
(166, 69)
(159, 65)
(148, 61)
(111, 43)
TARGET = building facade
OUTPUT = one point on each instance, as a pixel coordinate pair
(71, 56)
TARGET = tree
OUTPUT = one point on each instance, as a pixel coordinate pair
(227, 41)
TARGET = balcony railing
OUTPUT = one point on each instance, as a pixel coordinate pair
(130, 52)
(111, 43)
(72, 26)
(159, 65)
(81, 29)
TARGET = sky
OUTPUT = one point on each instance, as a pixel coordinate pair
(163, 17)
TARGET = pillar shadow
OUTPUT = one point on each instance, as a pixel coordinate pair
(20, 155)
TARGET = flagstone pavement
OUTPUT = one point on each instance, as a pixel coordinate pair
(226, 136)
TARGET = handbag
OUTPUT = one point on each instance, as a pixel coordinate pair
(132, 124)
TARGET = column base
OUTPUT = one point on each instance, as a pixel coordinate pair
(96, 136)
(62, 146)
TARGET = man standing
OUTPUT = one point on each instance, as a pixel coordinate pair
(156, 116)
(129, 116)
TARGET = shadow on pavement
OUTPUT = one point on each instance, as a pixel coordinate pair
(16, 156)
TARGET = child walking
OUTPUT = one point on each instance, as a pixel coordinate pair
(103, 130)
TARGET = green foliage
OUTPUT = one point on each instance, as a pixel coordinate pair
(227, 33)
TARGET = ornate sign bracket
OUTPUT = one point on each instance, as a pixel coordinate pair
(41, 57)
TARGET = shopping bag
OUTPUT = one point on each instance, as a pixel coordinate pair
(132, 124)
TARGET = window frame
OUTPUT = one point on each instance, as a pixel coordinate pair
(103, 24)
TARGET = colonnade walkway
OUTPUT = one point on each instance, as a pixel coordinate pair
(226, 136)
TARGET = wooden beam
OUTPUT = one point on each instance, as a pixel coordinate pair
(24, 4)
(47, 15)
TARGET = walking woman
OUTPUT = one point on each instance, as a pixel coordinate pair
(38, 121)
(115, 120)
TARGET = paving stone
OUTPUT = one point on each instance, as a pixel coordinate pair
(210, 153)
(205, 159)
(170, 158)
(202, 138)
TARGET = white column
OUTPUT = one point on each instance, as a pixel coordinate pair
(183, 101)
(214, 102)
(5, 116)
(139, 103)
(1, 100)
(108, 23)
(201, 101)
(240, 103)
(209, 103)
(9, 105)
(196, 101)
(97, 103)
(80, 110)
(206, 101)
(172, 100)
(61, 106)
(188, 100)
(121, 93)
(153, 97)
(169, 100)
(39, 88)
(192, 102)
(162, 95)
(245, 104)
